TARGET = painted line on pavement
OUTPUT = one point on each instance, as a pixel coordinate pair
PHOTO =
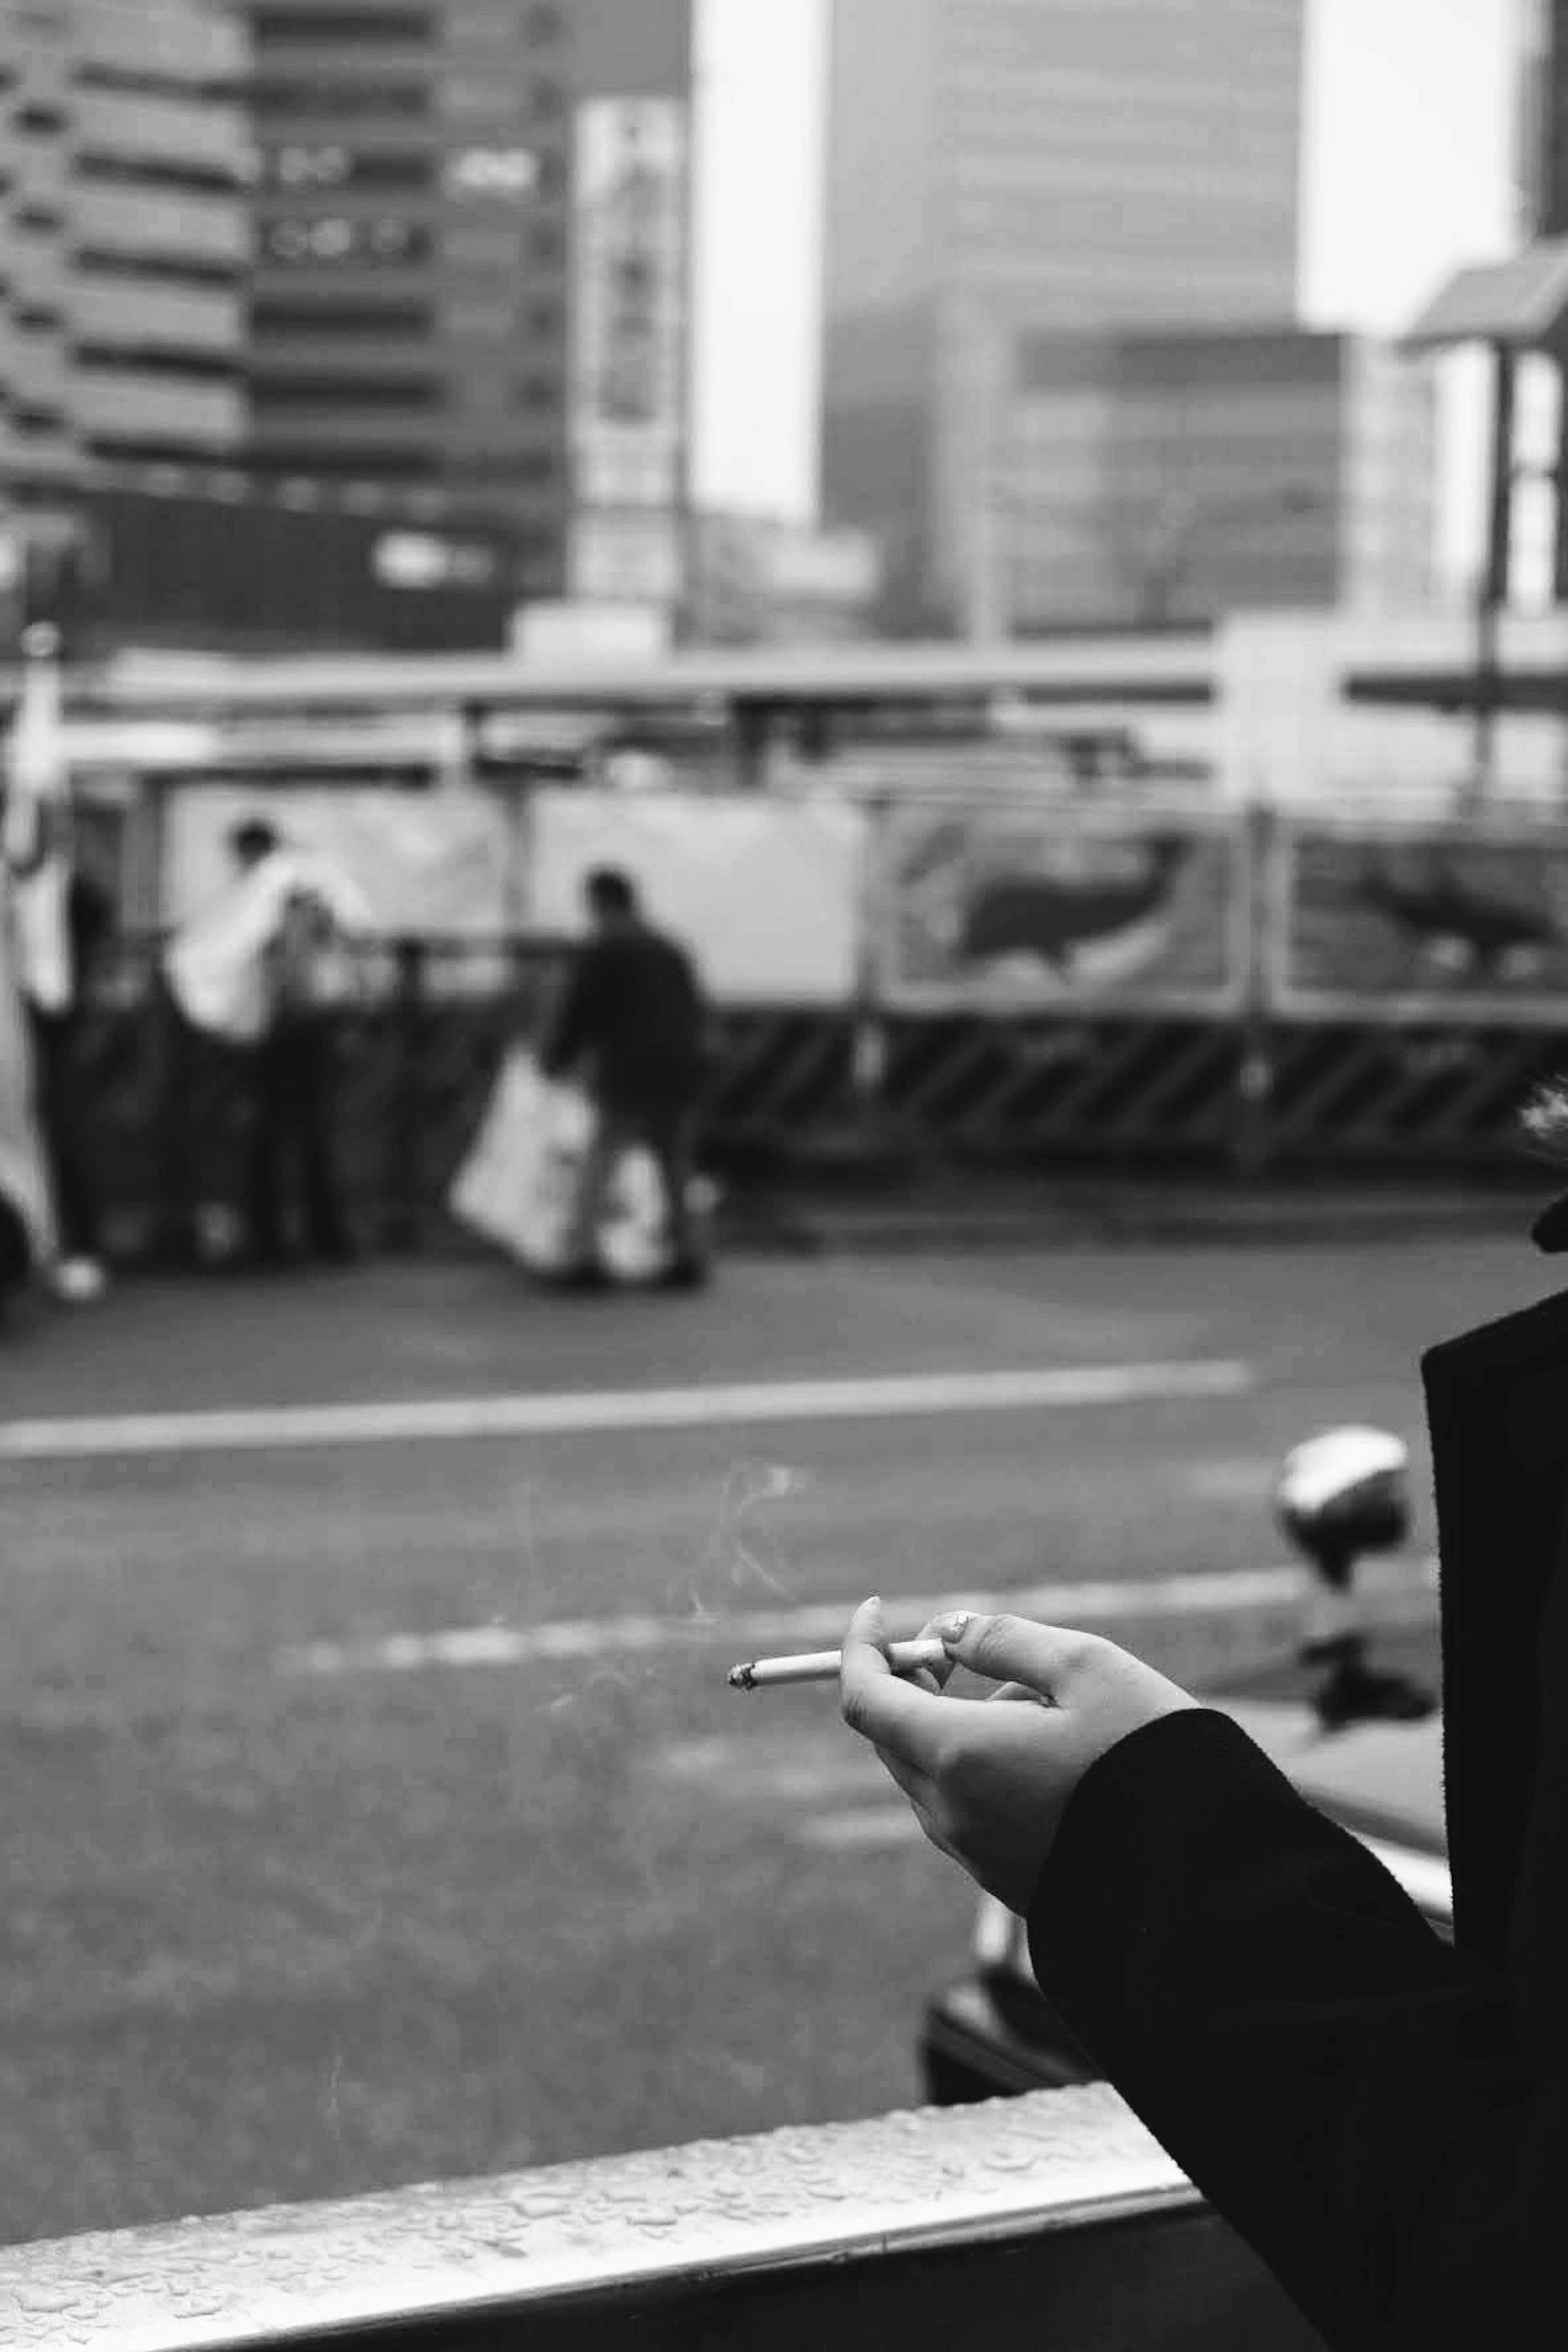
(255, 1429)
(750, 1633)
(869, 1828)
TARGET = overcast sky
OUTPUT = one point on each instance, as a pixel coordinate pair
(1411, 113)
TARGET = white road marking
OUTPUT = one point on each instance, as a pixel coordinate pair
(745, 1633)
(251, 1429)
(867, 1829)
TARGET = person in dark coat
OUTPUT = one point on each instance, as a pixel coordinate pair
(1383, 2118)
(633, 1020)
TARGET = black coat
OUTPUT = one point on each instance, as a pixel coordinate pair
(1382, 2117)
(632, 1012)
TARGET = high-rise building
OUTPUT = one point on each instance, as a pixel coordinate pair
(1148, 477)
(998, 166)
(124, 232)
(471, 266)
(1544, 118)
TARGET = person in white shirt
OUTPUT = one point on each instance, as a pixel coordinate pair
(27, 1228)
(268, 969)
(58, 917)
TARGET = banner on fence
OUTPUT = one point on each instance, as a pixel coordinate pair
(766, 894)
(1012, 907)
(1415, 922)
(431, 864)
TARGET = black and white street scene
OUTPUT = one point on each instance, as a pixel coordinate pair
(783, 1156)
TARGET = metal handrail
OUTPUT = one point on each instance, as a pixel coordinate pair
(862, 2210)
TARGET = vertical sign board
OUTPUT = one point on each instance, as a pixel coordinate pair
(629, 355)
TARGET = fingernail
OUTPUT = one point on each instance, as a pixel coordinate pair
(952, 1627)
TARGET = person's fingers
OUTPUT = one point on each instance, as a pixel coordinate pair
(882, 1707)
(1045, 1658)
(931, 1631)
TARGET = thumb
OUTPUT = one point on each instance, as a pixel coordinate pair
(1046, 1659)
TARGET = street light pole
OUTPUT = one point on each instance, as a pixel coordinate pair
(1492, 599)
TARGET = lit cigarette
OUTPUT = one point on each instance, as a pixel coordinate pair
(822, 1665)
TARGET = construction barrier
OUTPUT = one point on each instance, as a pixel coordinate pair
(1047, 983)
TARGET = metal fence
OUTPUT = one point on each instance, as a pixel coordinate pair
(798, 1091)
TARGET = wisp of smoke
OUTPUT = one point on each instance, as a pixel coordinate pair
(732, 1548)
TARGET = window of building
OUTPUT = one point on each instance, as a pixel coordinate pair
(547, 246)
(477, 246)
(540, 390)
(311, 167)
(331, 95)
(480, 321)
(483, 23)
(48, 120)
(163, 172)
(341, 29)
(344, 391)
(185, 269)
(508, 173)
(333, 237)
(156, 358)
(337, 317)
(468, 99)
(406, 464)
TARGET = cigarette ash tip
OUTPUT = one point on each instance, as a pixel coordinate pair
(741, 1678)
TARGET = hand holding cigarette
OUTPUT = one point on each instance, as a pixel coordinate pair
(990, 1779)
(825, 1666)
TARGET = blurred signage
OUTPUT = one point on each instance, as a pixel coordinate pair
(766, 894)
(418, 558)
(629, 396)
(1022, 906)
(587, 630)
(1459, 921)
(627, 558)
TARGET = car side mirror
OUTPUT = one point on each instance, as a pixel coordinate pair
(1345, 1493)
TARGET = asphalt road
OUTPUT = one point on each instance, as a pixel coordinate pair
(377, 1811)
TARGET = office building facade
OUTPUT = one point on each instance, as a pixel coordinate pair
(471, 266)
(124, 237)
(1153, 478)
(998, 167)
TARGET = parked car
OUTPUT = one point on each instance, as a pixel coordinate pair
(1366, 1747)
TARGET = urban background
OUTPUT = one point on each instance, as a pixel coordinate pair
(1108, 829)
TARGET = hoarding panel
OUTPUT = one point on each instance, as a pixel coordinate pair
(1420, 922)
(1032, 905)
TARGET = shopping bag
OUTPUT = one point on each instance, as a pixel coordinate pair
(519, 1181)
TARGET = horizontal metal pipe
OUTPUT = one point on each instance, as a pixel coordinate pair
(645, 2230)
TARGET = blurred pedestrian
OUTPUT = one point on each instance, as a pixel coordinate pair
(633, 1022)
(61, 919)
(271, 967)
(26, 1225)
(1382, 2116)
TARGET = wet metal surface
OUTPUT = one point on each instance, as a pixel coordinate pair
(534, 2241)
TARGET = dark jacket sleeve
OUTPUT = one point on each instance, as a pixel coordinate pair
(573, 1027)
(1339, 2087)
